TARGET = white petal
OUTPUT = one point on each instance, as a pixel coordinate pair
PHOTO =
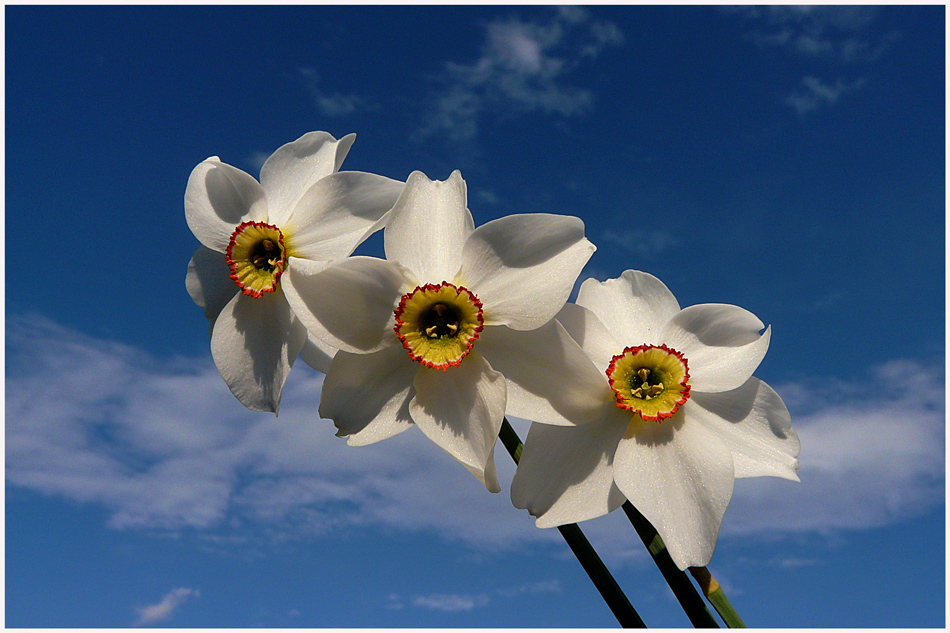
(294, 167)
(592, 335)
(367, 395)
(754, 423)
(523, 267)
(254, 343)
(337, 213)
(461, 410)
(209, 282)
(550, 379)
(317, 354)
(566, 474)
(679, 475)
(633, 307)
(721, 343)
(217, 199)
(428, 226)
(349, 305)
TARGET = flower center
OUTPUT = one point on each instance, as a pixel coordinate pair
(650, 380)
(438, 324)
(257, 257)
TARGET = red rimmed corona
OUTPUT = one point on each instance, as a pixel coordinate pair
(438, 324)
(650, 380)
(257, 257)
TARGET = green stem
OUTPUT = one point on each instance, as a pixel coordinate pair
(678, 581)
(717, 597)
(599, 574)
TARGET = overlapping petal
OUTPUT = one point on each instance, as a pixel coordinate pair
(317, 354)
(523, 267)
(756, 426)
(633, 307)
(296, 166)
(566, 474)
(678, 471)
(592, 335)
(254, 344)
(550, 379)
(218, 198)
(349, 305)
(337, 213)
(679, 475)
(367, 395)
(209, 283)
(722, 344)
(428, 227)
(461, 411)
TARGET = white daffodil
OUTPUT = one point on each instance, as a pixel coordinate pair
(454, 328)
(303, 208)
(684, 417)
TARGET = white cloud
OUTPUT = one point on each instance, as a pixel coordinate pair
(453, 602)
(872, 455)
(450, 603)
(162, 445)
(545, 586)
(817, 93)
(256, 161)
(645, 243)
(795, 562)
(839, 34)
(830, 36)
(331, 104)
(394, 602)
(166, 607)
(524, 67)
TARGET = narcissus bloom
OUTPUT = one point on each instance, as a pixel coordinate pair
(302, 208)
(682, 417)
(454, 328)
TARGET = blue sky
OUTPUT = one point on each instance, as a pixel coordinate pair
(787, 160)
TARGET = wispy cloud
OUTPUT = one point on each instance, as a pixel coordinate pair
(546, 586)
(454, 602)
(162, 445)
(872, 454)
(790, 563)
(645, 243)
(255, 161)
(834, 39)
(394, 602)
(815, 93)
(840, 34)
(450, 603)
(524, 67)
(166, 607)
(331, 104)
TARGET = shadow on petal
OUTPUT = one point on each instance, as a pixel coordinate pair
(461, 409)
(271, 339)
(225, 196)
(735, 406)
(648, 433)
(566, 473)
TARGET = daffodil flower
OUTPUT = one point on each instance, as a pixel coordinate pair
(454, 328)
(682, 419)
(302, 208)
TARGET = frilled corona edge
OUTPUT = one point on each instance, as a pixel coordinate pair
(438, 324)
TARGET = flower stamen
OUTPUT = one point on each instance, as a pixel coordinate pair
(257, 257)
(650, 380)
(437, 324)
